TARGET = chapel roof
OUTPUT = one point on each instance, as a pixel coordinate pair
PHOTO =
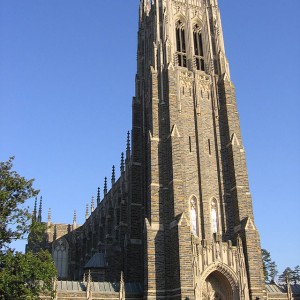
(97, 261)
(103, 287)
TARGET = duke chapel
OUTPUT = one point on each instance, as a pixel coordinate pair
(178, 223)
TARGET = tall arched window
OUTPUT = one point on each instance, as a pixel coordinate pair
(198, 48)
(180, 44)
(214, 216)
(60, 257)
(193, 215)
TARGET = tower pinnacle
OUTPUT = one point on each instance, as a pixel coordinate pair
(34, 210)
(92, 204)
(98, 196)
(49, 217)
(113, 175)
(128, 145)
(105, 186)
(74, 220)
(122, 165)
(40, 210)
(87, 212)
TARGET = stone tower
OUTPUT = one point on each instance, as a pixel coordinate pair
(188, 160)
(178, 222)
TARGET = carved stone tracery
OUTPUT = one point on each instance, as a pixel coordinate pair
(203, 82)
(186, 79)
(221, 258)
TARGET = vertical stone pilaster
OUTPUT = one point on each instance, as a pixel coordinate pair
(154, 264)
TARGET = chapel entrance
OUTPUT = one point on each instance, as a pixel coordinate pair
(217, 287)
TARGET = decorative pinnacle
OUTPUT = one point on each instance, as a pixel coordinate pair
(105, 186)
(128, 145)
(74, 217)
(113, 175)
(34, 210)
(87, 212)
(49, 216)
(74, 220)
(122, 288)
(98, 196)
(89, 280)
(92, 205)
(122, 163)
(40, 210)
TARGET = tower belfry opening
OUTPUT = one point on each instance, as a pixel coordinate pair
(175, 222)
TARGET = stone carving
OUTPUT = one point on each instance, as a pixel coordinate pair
(186, 79)
(225, 259)
(174, 131)
(203, 82)
(177, 8)
(234, 140)
(60, 246)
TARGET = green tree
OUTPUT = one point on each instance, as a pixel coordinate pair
(296, 275)
(273, 271)
(266, 258)
(14, 191)
(22, 276)
(269, 266)
(286, 276)
(25, 276)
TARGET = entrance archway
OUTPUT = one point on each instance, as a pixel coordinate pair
(217, 287)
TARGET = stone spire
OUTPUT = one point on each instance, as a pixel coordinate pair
(122, 169)
(87, 212)
(92, 204)
(105, 186)
(128, 146)
(34, 210)
(98, 196)
(49, 217)
(40, 210)
(74, 220)
(89, 280)
(113, 175)
(122, 287)
(89, 286)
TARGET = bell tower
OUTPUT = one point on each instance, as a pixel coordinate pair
(188, 160)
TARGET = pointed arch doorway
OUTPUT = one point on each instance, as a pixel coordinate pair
(217, 287)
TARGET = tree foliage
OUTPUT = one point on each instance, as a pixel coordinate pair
(269, 266)
(296, 274)
(14, 191)
(25, 276)
(22, 276)
(286, 276)
(290, 275)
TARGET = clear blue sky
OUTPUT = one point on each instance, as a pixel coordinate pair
(67, 72)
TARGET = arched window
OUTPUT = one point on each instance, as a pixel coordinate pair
(198, 48)
(180, 44)
(193, 215)
(214, 216)
(60, 257)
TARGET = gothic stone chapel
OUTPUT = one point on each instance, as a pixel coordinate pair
(178, 223)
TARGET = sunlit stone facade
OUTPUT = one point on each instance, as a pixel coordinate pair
(179, 220)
